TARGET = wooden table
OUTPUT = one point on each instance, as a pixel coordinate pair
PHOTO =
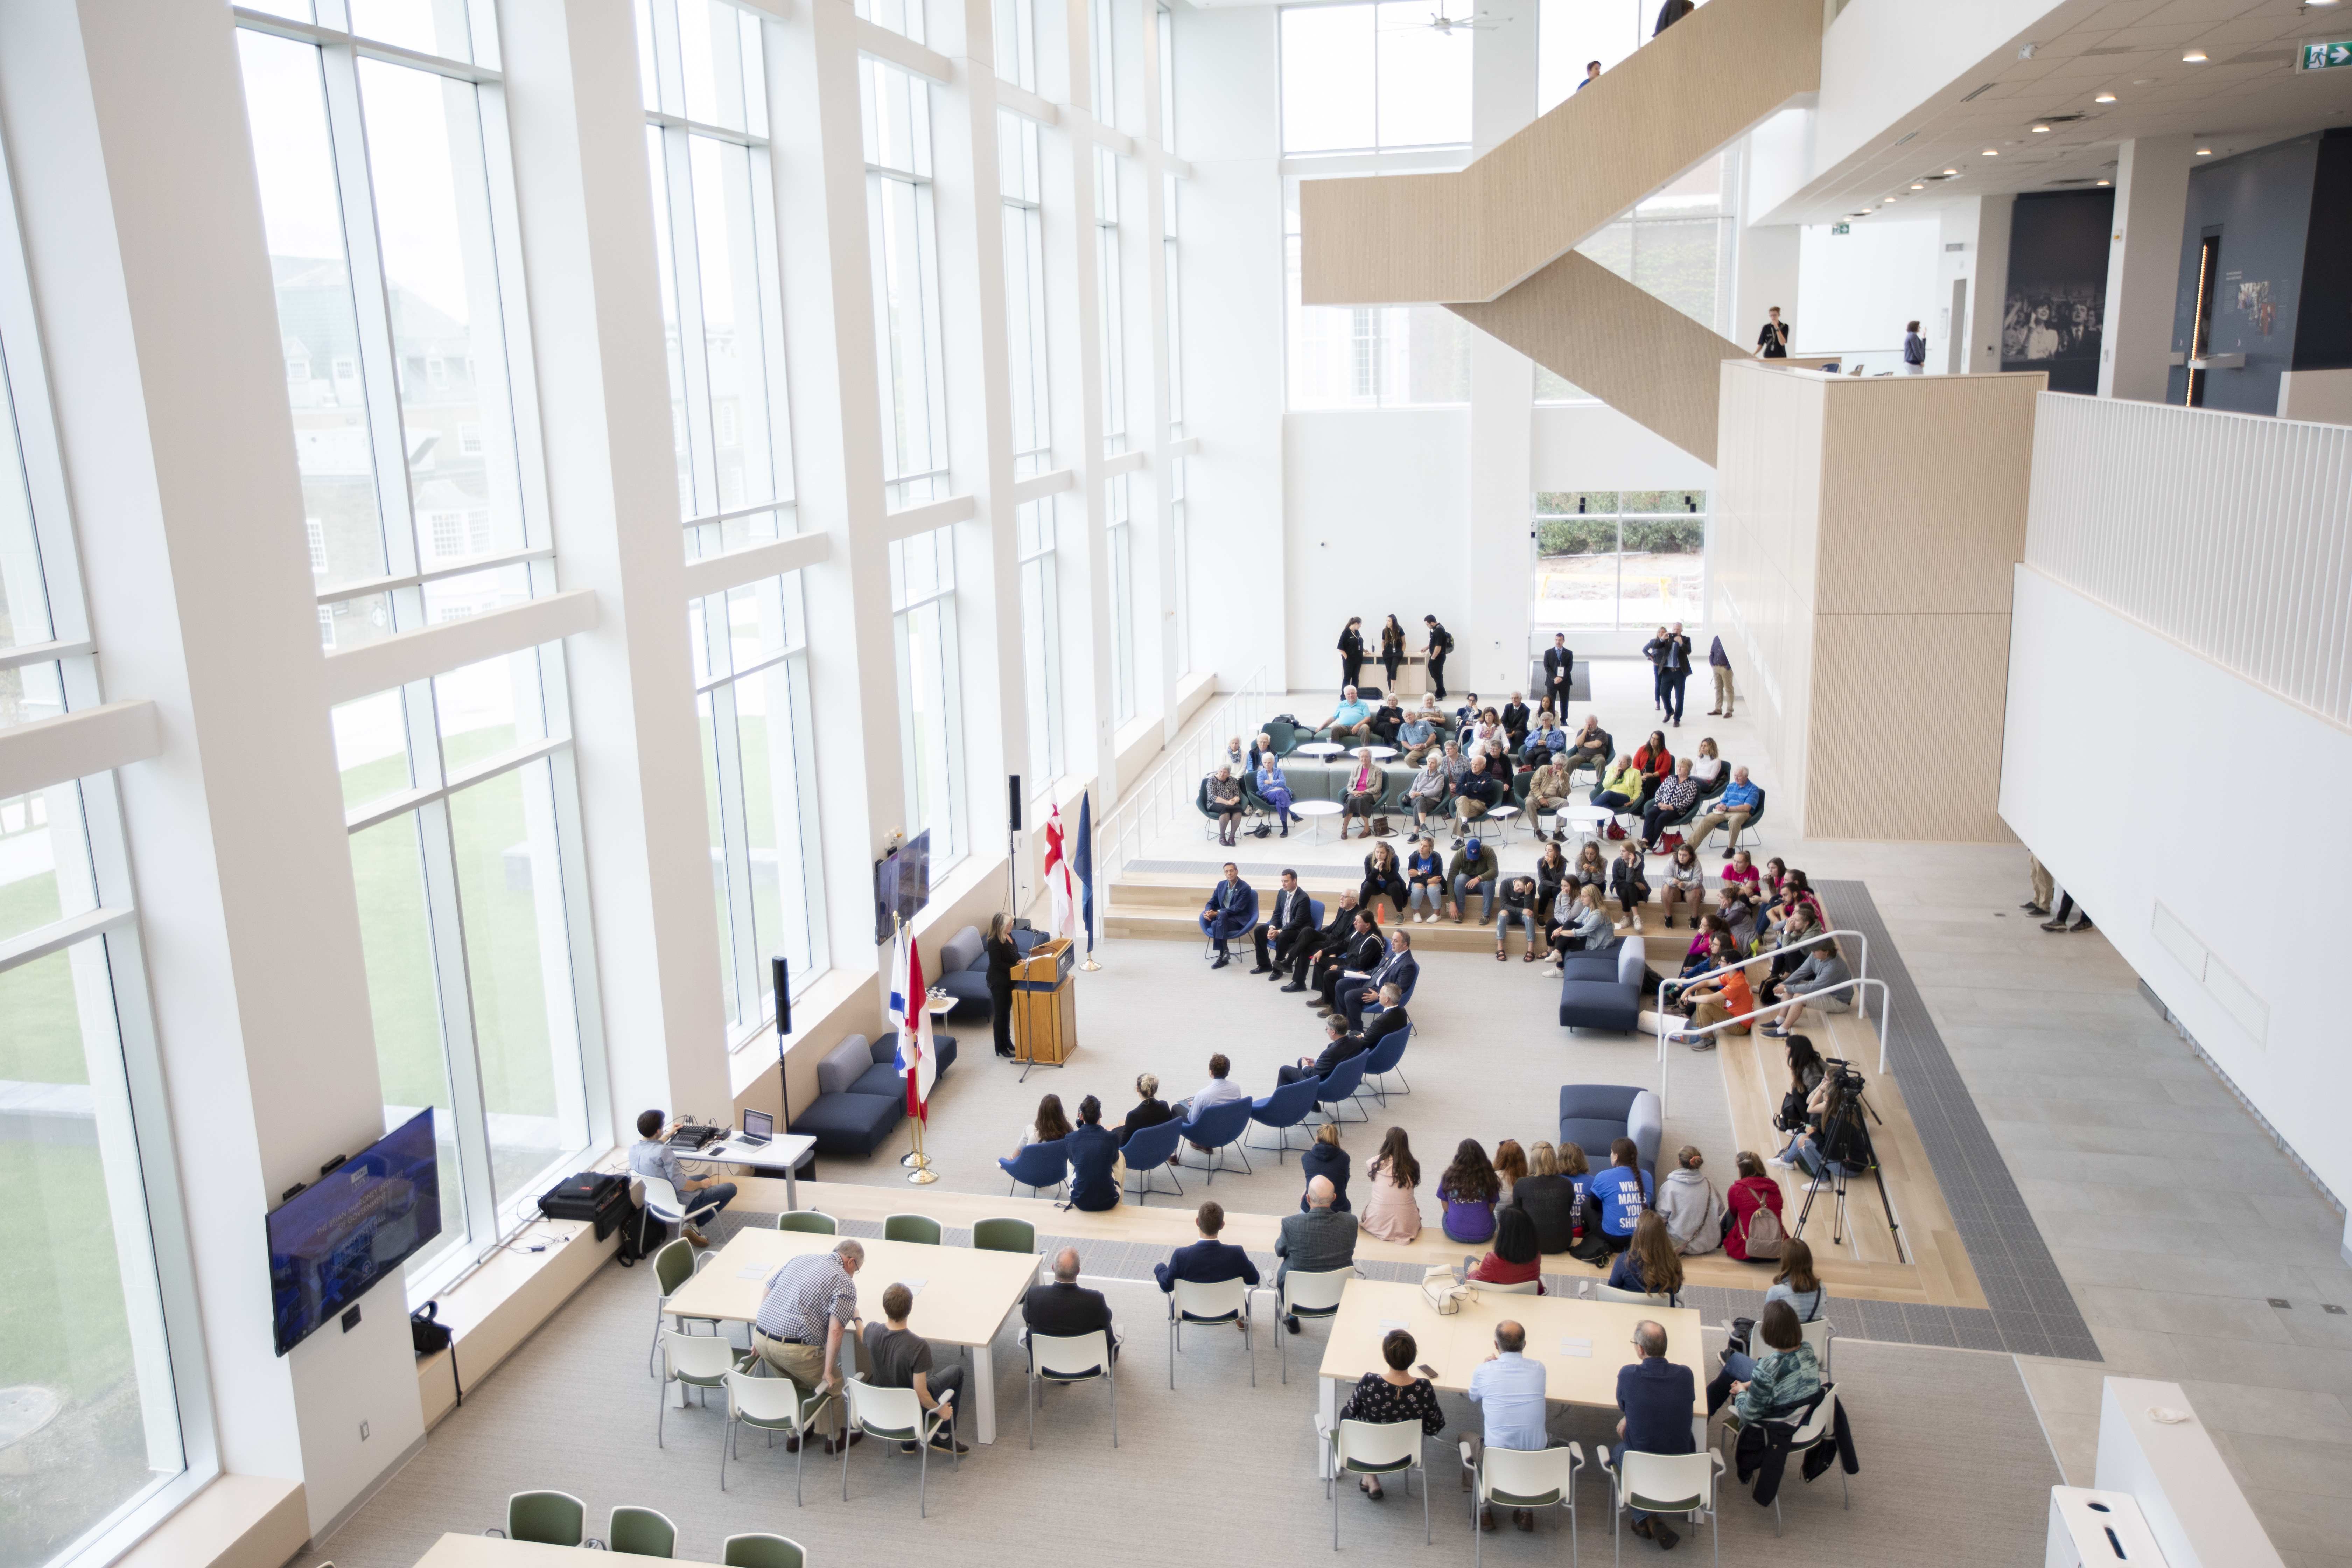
(455, 1551)
(1454, 1345)
(964, 1296)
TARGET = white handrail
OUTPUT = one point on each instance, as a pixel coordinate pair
(1863, 973)
(1855, 985)
(1142, 809)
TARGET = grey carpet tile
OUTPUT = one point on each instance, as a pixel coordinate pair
(1953, 1468)
(2030, 1308)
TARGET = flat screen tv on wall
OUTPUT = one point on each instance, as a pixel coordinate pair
(332, 1242)
(902, 884)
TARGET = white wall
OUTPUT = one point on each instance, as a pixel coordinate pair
(1856, 290)
(2219, 970)
(1590, 446)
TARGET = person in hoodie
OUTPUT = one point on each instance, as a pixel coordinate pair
(1690, 1205)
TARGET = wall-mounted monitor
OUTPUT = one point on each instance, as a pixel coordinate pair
(902, 884)
(330, 1243)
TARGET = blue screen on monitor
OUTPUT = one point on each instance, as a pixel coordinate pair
(330, 1243)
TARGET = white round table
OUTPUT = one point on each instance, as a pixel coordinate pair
(1382, 753)
(1315, 811)
(1502, 813)
(1320, 749)
(1587, 818)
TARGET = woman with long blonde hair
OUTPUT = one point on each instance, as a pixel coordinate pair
(1651, 1265)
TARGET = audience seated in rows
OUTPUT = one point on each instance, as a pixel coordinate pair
(1473, 871)
(1732, 807)
(1650, 1264)
(1655, 1395)
(1467, 1192)
(1150, 1110)
(1207, 1261)
(1232, 909)
(1775, 1383)
(1392, 1213)
(1093, 1151)
(1366, 781)
(1384, 879)
(1316, 1240)
(1066, 1309)
(1614, 1199)
(1690, 1205)
(1551, 1196)
(1508, 1390)
(1517, 1258)
(1226, 804)
(1752, 1193)
(1323, 1160)
(1510, 1164)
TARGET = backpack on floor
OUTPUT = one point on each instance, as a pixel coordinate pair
(1764, 1237)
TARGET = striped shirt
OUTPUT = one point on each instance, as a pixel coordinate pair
(803, 1294)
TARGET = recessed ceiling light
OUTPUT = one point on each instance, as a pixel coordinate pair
(2105, 181)
(1993, 152)
(2042, 131)
(2104, 98)
(1919, 186)
(2193, 57)
(2204, 152)
(2143, 81)
(1951, 171)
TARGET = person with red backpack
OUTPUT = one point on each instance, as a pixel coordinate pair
(1753, 1229)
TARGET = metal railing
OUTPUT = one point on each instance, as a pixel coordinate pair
(1861, 1010)
(1166, 797)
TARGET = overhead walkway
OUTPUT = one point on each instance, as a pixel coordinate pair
(1495, 241)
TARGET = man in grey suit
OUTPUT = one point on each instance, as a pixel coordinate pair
(1317, 1241)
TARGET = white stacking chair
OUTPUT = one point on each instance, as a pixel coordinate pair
(1314, 1294)
(1811, 1433)
(1524, 1288)
(1066, 1359)
(1227, 1301)
(662, 1203)
(770, 1404)
(1525, 1477)
(1629, 1297)
(694, 1361)
(1817, 1334)
(677, 1263)
(1665, 1483)
(1375, 1449)
(894, 1416)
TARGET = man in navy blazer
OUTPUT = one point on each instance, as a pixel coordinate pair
(1232, 909)
(1093, 1151)
(1399, 968)
(1293, 920)
(1207, 1261)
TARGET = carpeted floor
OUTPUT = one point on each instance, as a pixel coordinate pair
(1954, 1466)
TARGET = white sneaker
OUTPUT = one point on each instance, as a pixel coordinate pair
(1552, 973)
(1780, 1164)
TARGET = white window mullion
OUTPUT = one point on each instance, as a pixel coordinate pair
(693, 340)
(453, 991)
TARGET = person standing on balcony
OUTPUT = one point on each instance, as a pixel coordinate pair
(1914, 351)
(1591, 74)
(1670, 13)
(1441, 643)
(1392, 651)
(1772, 342)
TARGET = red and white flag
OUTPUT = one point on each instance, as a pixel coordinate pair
(1061, 882)
(915, 1062)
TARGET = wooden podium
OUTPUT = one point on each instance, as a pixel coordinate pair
(1045, 1005)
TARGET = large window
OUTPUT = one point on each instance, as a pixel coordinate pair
(1024, 295)
(1016, 42)
(1372, 78)
(94, 1392)
(1041, 642)
(391, 225)
(1112, 297)
(1170, 185)
(1631, 559)
(387, 197)
(703, 82)
(1102, 60)
(1121, 532)
(1572, 33)
(1167, 23)
(458, 795)
(1179, 533)
(922, 599)
(751, 648)
(904, 235)
(1380, 356)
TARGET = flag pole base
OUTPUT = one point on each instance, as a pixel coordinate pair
(922, 1177)
(917, 1161)
(1089, 966)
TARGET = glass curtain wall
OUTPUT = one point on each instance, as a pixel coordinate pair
(1111, 295)
(751, 659)
(1016, 42)
(387, 199)
(904, 234)
(93, 1397)
(1620, 559)
(1041, 641)
(1024, 294)
(1175, 346)
(1180, 530)
(922, 601)
(703, 75)
(1120, 530)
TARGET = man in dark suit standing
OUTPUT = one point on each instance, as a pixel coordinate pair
(1399, 969)
(1066, 1307)
(1331, 939)
(1559, 674)
(1670, 651)
(1093, 1150)
(1292, 918)
(1207, 1261)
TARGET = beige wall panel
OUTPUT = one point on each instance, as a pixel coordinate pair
(1623, 344)
(2002, 475)
(1892, 687)
(1467, 237)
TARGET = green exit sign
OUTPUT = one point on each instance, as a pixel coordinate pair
(2324, 56)
(1841, 228)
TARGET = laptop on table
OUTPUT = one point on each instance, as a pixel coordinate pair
(759, 1127)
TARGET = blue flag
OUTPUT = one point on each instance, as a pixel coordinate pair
(1082, 863)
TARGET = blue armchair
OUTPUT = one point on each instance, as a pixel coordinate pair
(1216, 1129)
(1147, 1150)
(1382, 1059)
(1339, 1087)
(1284, 1109)
(1038, 1166)
(1234, 920)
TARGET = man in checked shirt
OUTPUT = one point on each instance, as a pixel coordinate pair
(810, 1303)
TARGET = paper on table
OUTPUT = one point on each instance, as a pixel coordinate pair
(1576, 1347)
(1393, 1323)
(751, 1271)
(915, 1286)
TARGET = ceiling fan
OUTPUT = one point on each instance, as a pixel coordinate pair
(1441, 23)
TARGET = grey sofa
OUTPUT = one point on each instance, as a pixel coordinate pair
(1603, 989)
(964, 969)
(1594, 1115)
(860, 1098)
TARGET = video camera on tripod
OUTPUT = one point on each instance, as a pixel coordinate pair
(1844, 1149)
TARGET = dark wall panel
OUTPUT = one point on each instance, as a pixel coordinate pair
(2260, 203)
(2058, 248)
(2323, 322)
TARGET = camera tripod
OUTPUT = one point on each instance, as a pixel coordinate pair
(1845, 1131)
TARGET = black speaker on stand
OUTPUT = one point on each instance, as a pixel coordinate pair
(782, 970)
(1012, 847)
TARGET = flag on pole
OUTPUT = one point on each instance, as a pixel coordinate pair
(1083, 862)
(1060, 885)
(915, 1060)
